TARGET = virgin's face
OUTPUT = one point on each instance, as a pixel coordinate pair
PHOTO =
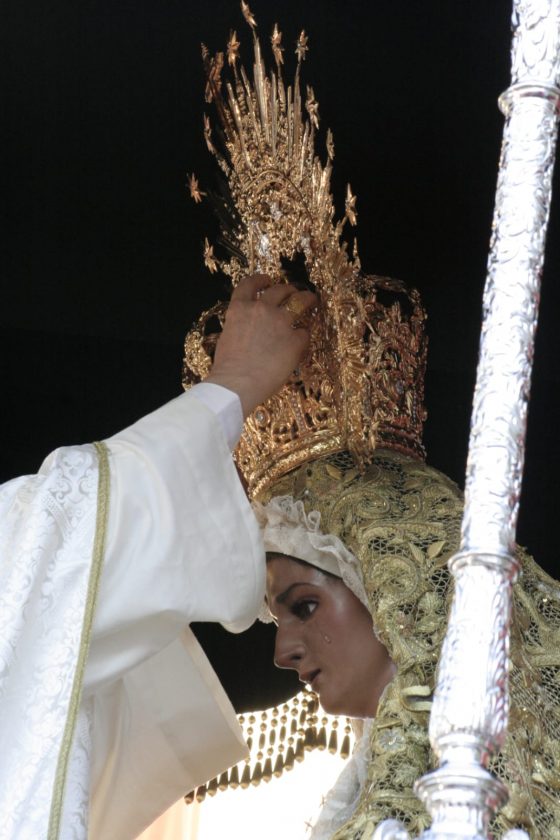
(325, 634)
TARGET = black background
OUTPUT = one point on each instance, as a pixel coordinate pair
(102, 271)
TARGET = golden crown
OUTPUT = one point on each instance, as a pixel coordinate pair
(362, 384)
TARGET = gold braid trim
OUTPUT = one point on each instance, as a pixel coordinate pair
(91, 598)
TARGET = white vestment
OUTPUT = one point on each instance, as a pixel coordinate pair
(109, 709)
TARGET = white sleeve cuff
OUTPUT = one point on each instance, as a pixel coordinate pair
(226, 405)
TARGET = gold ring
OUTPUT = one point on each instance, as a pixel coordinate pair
(295, 305)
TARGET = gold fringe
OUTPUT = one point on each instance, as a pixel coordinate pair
(277, 738)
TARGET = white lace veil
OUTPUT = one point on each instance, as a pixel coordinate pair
(288, 529)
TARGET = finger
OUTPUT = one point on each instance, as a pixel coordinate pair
(300, 340)
(247, 288)
(277, 294)
(299, 304)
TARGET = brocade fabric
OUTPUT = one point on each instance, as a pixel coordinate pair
(151, 719)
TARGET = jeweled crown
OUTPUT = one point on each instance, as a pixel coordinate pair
(361, 386)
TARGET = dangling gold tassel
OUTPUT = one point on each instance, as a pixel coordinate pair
(246, 777)
(345, 748)
(201, 793)
(333, 742)
(257, 774)
(278, 766)
(223, 782)
(300, 750)
(322, 739)
(267, 770)
(212, 787)
(234, 777)
(290, 758)
(189, 798)
(312, 703)
(310, 738)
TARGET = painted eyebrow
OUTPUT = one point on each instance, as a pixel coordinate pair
(280, 599)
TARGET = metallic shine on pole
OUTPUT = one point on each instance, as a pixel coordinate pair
(470, 711)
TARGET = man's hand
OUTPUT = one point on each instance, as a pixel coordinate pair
(259, 347)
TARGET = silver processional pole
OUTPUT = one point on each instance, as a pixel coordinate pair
(470, 711)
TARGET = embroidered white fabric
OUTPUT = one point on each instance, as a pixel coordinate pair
(48, 524)
(133, 751)
(288, 529)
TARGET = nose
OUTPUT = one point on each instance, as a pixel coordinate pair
(289, 649)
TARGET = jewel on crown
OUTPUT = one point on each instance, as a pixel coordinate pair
(361, 386)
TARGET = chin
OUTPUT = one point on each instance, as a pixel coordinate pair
(343, 706)
(332, 706)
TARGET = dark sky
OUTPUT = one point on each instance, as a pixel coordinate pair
(102, 273)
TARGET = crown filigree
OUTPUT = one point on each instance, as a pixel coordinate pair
(361, 386)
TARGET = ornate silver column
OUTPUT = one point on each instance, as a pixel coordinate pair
(470, 710)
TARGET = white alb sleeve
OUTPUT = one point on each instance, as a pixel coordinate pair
(182, 543)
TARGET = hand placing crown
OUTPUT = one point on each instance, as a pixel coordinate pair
(263, 339)
(361, 385)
